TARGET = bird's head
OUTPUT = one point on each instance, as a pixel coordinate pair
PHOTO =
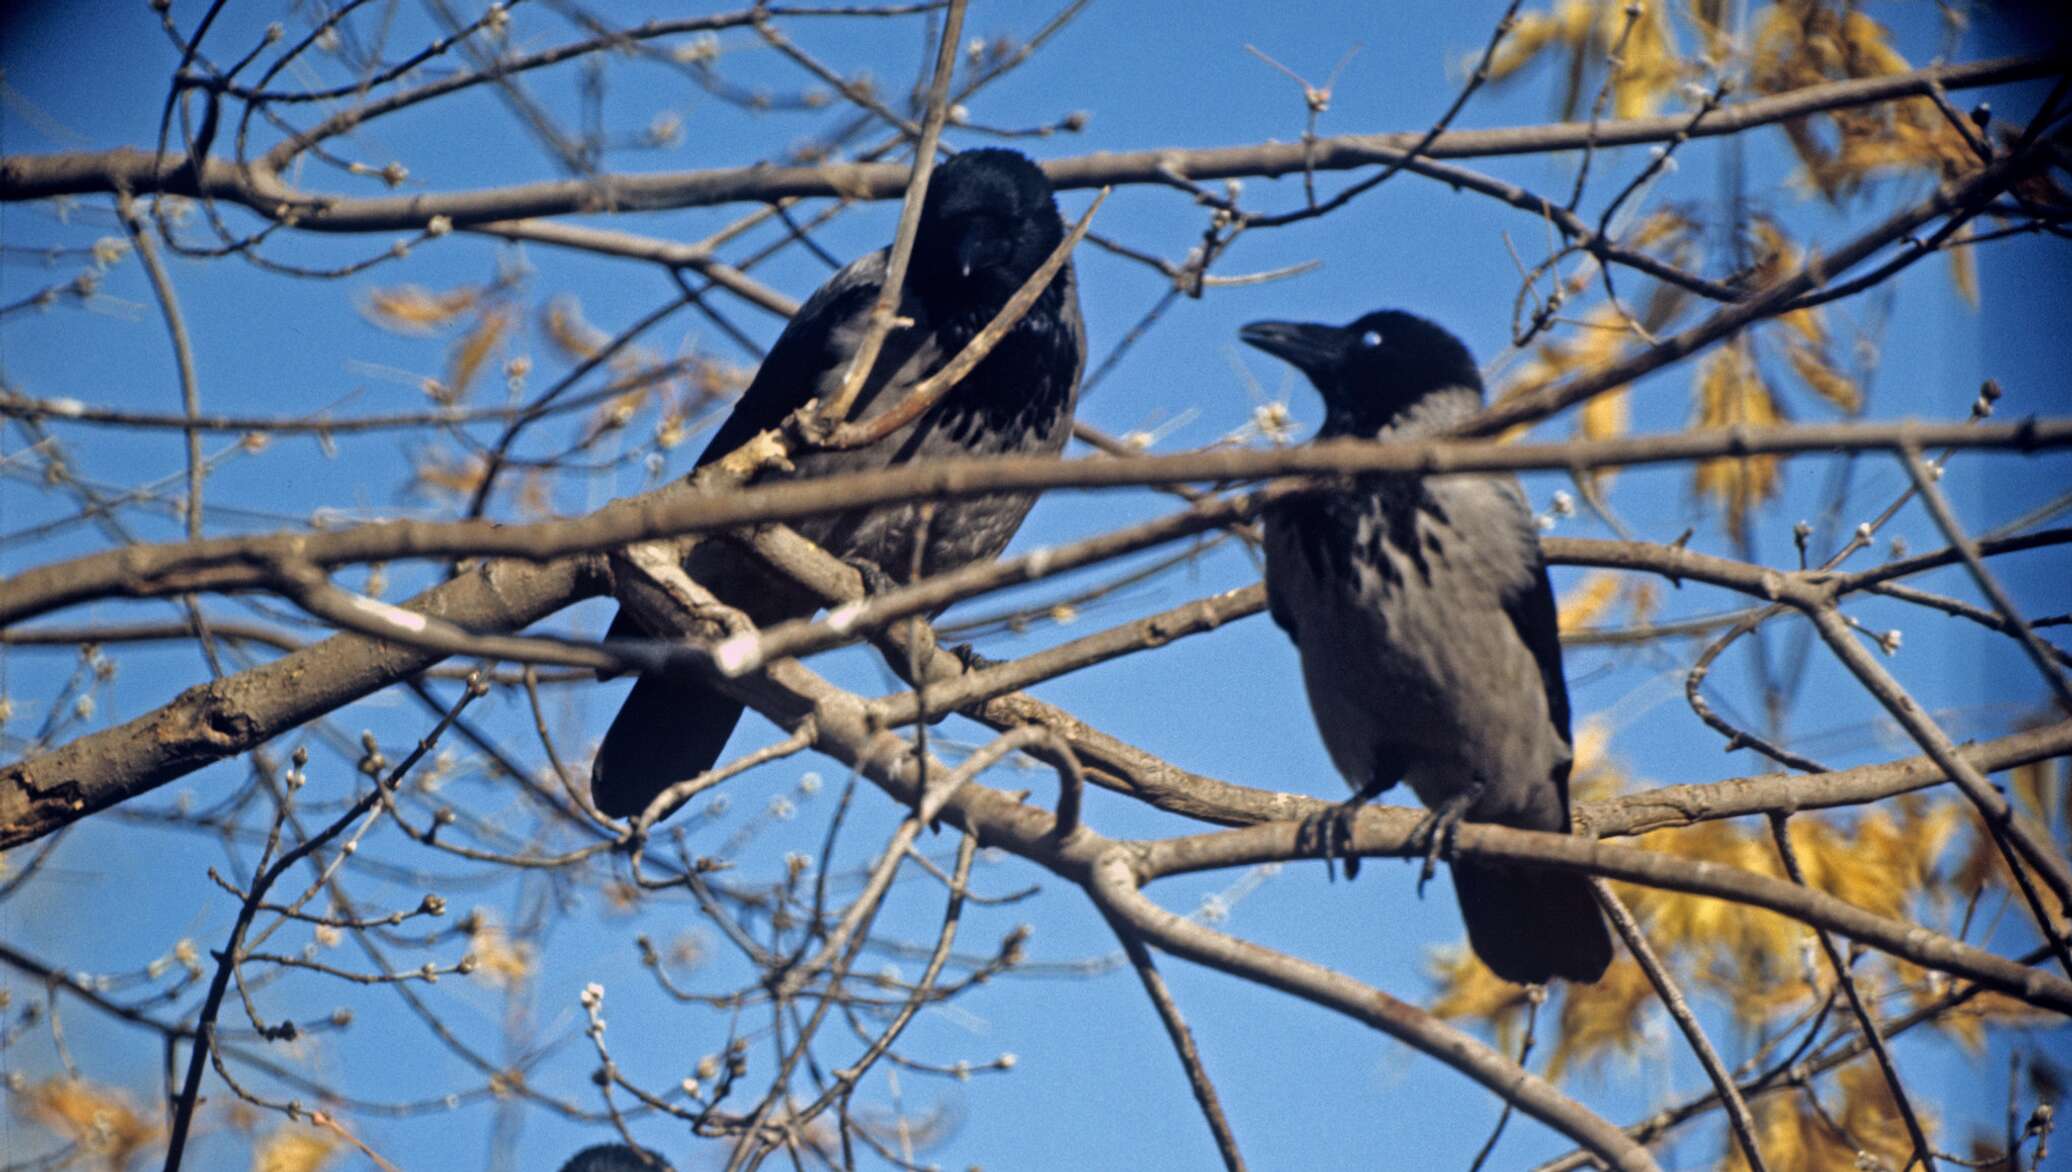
(987, 224)
(613, 1158)
(1384, 370)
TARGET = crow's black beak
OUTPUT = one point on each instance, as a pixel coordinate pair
(973, 252)
(1312, 349)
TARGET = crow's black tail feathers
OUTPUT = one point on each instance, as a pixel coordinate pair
(1529, 926)
(670, 728)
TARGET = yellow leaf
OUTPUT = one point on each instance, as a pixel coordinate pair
(1467, 989)
(498, 959)
(294, 1149)
(97, 1119)
(1657, 228)
(1807, 324)
(1731, 393)
(473, 348)
(413, 309)
(2040, 787)
(1649, 68)
(1869, 46)
(1710, 17)
(1645, 598)
(562, 322)
(1604, 416)
(1598, 341)
(1801, 43)
(1813, 369)
(436, 472)
(1797, 1136)
(1595, 773)
(1588, 602)
(1963, 267)
(1880, 864)
(1967, 1022)
(1602, 1018)
(1754, 947)
(1531, 33)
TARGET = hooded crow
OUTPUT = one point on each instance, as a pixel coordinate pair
(987, 224)
(1425, 622)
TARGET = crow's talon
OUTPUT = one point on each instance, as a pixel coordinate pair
(1327, 833)
(968, 656)
(1435, 835)
(875, 579)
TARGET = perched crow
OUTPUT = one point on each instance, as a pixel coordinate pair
(612, 1158)
(1425, 622)
(986, 226)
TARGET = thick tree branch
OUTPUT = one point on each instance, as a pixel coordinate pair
(142, 571)
(141, 172)
(1379, 832)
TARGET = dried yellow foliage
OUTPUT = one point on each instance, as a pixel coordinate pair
(1882, 862)
(1731, 392)
(413, 309)
(1644, 601)
(1804, 331)
(1602, 340)
(1778, 256)
(2038, 790)
(712, 380)
(1603, 416)
(1595, 773)
(436, 472)
(535, 496)
(618, 411)
(1812, 366)
(98, 1120)
(1566, 24)
(1794, 1137)
(1649, 66)
(472, 350)
(1602, 1018)
(562, 322)
(1963, 265)
(499, 959)
(1741, 945)
(1587, 33)
(1711, 18)
(1467, 989)
(295, 1148)
(1587, 603)
(1799, 43)
(1657, 229)
(1967, 1022)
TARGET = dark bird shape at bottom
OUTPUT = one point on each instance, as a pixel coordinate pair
(1425, 623)
(612, 1158)
(988, 223)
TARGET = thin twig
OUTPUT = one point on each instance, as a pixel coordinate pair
(1680, 1011)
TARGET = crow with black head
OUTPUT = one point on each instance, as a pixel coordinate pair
(987, 224)
(1424, 619)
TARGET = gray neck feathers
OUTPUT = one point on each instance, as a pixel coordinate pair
(1432, 414)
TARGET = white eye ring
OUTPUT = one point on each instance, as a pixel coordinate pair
(1370, 339)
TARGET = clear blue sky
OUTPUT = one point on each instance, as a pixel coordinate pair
(1095, 1084)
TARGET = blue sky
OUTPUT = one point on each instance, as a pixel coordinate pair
(1094, 1083)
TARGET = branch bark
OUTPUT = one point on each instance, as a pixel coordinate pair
(24, 177)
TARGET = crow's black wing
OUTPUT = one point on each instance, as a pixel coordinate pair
(816, 342)
(1531, 609)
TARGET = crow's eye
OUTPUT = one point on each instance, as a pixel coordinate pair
(1370, 340)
